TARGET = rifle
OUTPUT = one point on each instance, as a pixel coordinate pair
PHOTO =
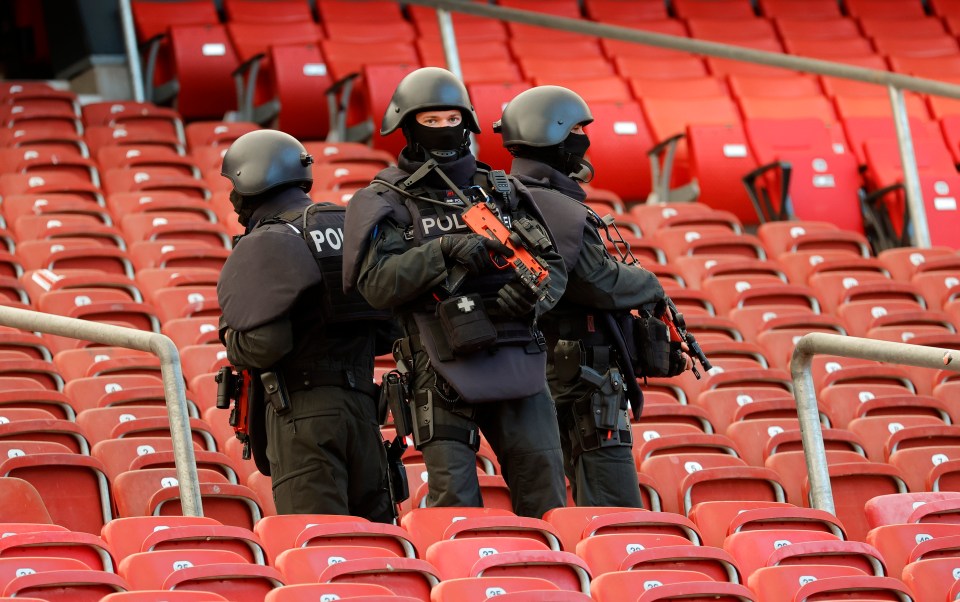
(679, 334)
(481, 219)
(237, 387)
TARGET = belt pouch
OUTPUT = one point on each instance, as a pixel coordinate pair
(466, 325)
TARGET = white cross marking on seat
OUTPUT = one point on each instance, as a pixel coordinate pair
(465, 305)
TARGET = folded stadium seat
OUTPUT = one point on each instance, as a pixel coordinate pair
(320, 591)
(477, 589)
(888, 9)
(723, 405)
(220, 571)
(44, 182)
(25, 540)
(191, 331)
(580, 523)
(25, 161)
(583, 67)
(79, 585)
(674, 27)
(613, 11)
(58, 120)
(74, 487)
(152, 595)
(908, 508)
(44, 138)
(279, 533)
(868, 377)
(724, 67)
(718, 154)
(618, 585)
(348, 152)
(659, 69)
(897, 541)
(787, 463)
(941, 511)
(29, 345)
(708, 240)
(21, 205)
(24, 91)
(938, 288)
(201, 359)
(566, 9)
(726, 290)
(302, 565)
(157, 254)
(905, 27)
(455, 559)
(335, 176)
(203, 536)
(203, 61)
(204, 134)
(404, 576)
(11, 568)
(810, 235)
(493, 489)
(830, 49)
(46, 227)
(853, 483)
(931, 579)
(939, 434)
(360, 532)
(12, 291)
(42, 372)
(782, 582)
(152, 22)
(163, 121)
(906, 262)
(863, 587)
(133, 135)
(470, 28)
(98, 305)
(605, 553)
(183, 205)
(921, 323)
(180, 225)
(16, 395)
(378, 81)
(651, 217)
(151, 179)
(258, 11)
(88, 361)
(944, 67)
(753, 549)
(938, 45)
(54, 430)
(732, 10)
(864, 287)
(719, 476)
(186, 302)
(153, 491)
(667, 117)
(117, 454)
(917, 465)
(819, 185)
(21, 502)
(685, 443)
(135, 156)
(428, 525)
(751, 436)
(843, 403)
(662, 412)
(876, 430)
(714, 562)
(98, 423)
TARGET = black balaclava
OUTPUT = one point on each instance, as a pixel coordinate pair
(444, 144)
(566, 157)
(243, 206)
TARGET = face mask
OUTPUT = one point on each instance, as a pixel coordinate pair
(575, 147)
(577, 144)
(243, 209)
(443, 144)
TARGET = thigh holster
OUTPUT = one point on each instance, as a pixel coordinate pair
(430, 425)
(600, 416)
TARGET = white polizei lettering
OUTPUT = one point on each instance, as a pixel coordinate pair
(332, 237)
(450, 223)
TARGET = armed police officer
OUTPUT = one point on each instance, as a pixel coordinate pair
(588, 373)
(286, 319)
(472, 359)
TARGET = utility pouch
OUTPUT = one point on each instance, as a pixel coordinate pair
(606, 398)
(652, 338)
(276, 392)
(393, 396)
(466, 325)
(567, 358)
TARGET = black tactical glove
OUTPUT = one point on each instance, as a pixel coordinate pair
(222, 329)
(472, 251)
(516, 299)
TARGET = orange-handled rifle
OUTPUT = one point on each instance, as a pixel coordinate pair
(678, 334)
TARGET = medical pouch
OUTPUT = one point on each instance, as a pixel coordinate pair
(466, 325)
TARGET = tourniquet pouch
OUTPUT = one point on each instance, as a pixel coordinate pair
(652, 338)
(466, 325)
(499, 372)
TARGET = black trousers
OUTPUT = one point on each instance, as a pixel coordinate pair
(606, 476)
(327, 457)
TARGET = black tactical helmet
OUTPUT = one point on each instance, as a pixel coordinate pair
(428, 88)
(542, 116)
(264, 159)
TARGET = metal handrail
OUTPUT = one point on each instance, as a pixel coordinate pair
(895, 82)
(806, 393)
(173, 385)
